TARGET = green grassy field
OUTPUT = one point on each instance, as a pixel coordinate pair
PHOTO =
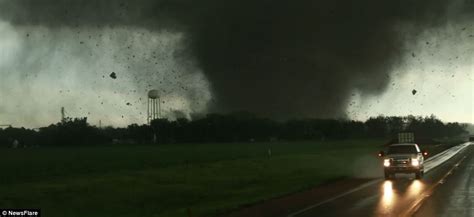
(210, 179)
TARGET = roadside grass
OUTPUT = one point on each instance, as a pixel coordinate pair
(167, 180)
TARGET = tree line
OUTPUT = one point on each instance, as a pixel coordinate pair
(234, 127)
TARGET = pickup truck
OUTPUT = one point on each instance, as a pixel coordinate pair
(403, 158)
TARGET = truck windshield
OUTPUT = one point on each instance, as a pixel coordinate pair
(405, 149)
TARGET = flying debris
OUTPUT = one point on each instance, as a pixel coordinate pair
(414, 91)
(113, 75)
(233, 50)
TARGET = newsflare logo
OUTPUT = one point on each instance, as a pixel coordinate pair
(20, 213)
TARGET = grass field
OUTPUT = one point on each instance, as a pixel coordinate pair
(166, 180)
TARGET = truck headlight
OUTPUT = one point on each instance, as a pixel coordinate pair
(386, 162)
(415, 162)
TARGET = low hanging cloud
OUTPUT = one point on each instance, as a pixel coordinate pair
(43, 69)
(276, 58)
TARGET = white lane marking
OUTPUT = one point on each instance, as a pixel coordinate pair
(437, 159)
(442, 157)
(417, 204)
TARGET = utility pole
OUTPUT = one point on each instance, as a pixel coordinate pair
(63, 114)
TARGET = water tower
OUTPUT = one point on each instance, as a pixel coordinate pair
(154, 106)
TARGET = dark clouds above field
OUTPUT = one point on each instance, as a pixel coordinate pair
(276, 58)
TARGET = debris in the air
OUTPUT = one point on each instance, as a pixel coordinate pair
(413, 55)
(129, 104)
(113, 75)
(414, 91)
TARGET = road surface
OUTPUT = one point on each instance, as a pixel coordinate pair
(444, 191)
(455, 197)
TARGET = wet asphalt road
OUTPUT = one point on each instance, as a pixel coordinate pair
(444, 191)
(455, 197)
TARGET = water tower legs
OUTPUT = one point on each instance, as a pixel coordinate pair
(153, 110)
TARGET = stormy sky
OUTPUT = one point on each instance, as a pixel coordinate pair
(281, 59)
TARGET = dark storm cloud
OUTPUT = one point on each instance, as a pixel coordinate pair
(273, 57)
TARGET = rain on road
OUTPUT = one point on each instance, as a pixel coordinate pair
(444, 191)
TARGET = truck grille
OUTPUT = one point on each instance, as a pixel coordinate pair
(401, 162)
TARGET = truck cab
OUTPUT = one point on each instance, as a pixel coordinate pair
(403, 158)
